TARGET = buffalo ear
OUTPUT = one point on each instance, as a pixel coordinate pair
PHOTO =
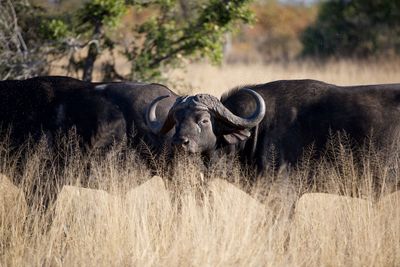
(237, 136)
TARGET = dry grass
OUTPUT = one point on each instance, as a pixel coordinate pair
(216, 80)
(186, 221)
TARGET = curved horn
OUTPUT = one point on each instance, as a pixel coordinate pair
(151, 117)
(168, 124)
(225, 114)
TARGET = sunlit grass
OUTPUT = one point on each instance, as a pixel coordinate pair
(217, 80)
(193, 220)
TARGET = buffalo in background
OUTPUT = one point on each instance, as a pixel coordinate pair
(98, 123)
(52, 105)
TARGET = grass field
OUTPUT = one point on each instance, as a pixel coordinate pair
(185, 221)
(216, 80)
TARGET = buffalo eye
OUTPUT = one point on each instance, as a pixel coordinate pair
(204, 121)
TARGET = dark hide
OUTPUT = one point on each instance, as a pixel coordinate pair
(133, 100)
(305, 113)
(53, 104)
(98, 123)
(299, 115)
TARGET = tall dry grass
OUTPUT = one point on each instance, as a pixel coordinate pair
(188, 220)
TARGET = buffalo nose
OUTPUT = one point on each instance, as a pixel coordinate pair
(184, 141)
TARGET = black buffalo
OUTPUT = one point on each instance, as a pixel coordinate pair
(98, 123)
(133, 99)
(55, 104)
(50, 107)
(289, 115)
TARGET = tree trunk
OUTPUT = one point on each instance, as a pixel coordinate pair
(92, 53)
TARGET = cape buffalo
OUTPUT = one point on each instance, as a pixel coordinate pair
(289, 115)
(97, 122)
(133, 99)
(52, 104)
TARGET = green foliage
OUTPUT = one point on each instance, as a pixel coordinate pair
(171, 32)
(357, 28)
(168, 40)
(106, 12)
(54, 29)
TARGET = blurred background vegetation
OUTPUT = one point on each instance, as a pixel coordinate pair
(77, 36)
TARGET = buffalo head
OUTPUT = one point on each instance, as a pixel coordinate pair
(202, 119)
